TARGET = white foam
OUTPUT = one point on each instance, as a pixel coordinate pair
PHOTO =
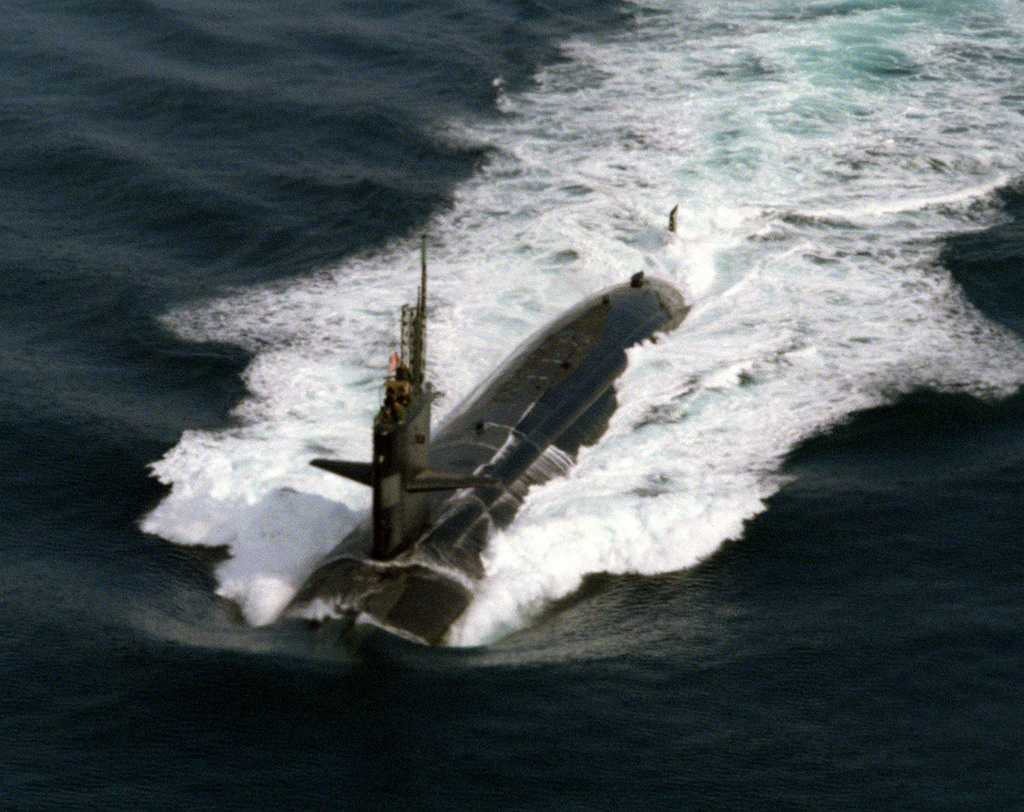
(812, 197)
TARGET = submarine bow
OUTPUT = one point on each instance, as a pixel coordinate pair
(412, 565)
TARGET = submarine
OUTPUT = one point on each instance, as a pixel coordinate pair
(411, 567)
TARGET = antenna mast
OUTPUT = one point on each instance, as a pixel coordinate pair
(417, 339)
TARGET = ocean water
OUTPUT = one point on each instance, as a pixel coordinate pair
(789, 575)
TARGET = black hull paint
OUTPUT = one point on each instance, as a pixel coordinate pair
(522, 426)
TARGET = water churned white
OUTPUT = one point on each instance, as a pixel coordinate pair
(818, 154)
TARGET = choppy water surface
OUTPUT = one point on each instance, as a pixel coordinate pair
(786, 577)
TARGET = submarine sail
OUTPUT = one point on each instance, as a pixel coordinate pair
(412, 565)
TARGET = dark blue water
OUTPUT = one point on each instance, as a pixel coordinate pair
(858, 646)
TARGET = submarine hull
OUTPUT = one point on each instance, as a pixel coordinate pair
(522, 426)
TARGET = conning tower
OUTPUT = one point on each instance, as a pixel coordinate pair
(400, 472)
